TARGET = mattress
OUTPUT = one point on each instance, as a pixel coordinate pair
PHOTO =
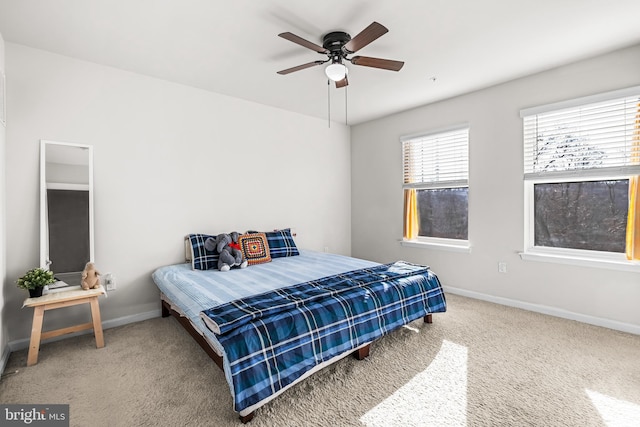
(192, 291)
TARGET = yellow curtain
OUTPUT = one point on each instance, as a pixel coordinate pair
(633, 216)
(633, 220)
(410, 214)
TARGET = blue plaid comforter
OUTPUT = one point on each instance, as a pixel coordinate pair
(272, 339)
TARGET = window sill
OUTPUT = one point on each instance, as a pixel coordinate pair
(462, 246)
(583, 261)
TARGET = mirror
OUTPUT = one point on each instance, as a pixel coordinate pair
(66, 209)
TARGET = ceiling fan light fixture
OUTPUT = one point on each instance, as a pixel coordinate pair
(336, 71)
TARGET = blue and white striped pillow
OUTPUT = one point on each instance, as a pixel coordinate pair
(281, 243)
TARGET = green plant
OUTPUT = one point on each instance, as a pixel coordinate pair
(35, 278)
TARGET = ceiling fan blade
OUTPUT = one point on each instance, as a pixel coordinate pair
(385, 64)
(342, 83)
(301, 67)
(365, 37)
(302, 42)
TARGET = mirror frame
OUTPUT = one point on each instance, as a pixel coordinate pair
(44, 225)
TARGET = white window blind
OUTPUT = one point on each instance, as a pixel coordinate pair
(436, 160)
(594, 138)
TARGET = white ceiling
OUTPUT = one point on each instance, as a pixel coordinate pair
(232, 48)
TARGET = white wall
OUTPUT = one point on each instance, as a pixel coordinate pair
(168, 160)
(495, 196)
(3, 278)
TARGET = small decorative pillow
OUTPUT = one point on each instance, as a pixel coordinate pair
(281, 243)
(255, 248)
(201, 258)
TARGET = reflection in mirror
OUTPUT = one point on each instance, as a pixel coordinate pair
(66, 209)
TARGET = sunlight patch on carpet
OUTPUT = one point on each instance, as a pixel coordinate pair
(615, 412)
(437, 394)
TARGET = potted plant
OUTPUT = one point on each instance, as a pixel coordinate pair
(35, 280)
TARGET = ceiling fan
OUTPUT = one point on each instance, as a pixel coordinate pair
(338, 45)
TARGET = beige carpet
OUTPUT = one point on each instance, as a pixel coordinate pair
(479, 364)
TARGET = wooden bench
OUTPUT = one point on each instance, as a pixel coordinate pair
(63, 299)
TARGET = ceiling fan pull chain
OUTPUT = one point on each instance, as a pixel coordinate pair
(329, 102)
(346, 121)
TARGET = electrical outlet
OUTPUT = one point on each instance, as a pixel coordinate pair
(502, 267)
(326, 248)
(110, 282)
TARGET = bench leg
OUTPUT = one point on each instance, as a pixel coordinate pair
(428, 319)
(36, 331)
(97, 322)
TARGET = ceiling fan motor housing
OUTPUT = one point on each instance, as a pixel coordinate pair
(334, 42)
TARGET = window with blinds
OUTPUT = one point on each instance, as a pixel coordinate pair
(436, 160)
(596, 136)
(435, 183)
(582, 175)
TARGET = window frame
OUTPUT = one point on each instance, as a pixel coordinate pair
(555, 253)
(449, 244)
(580, 257)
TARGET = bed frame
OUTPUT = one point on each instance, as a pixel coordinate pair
(167, 311)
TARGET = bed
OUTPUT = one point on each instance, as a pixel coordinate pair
(273, 324)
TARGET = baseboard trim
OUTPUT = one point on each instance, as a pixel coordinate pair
(551, 311)
(107, 324)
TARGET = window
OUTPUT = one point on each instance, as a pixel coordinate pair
(581, 174)
(436, 186)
